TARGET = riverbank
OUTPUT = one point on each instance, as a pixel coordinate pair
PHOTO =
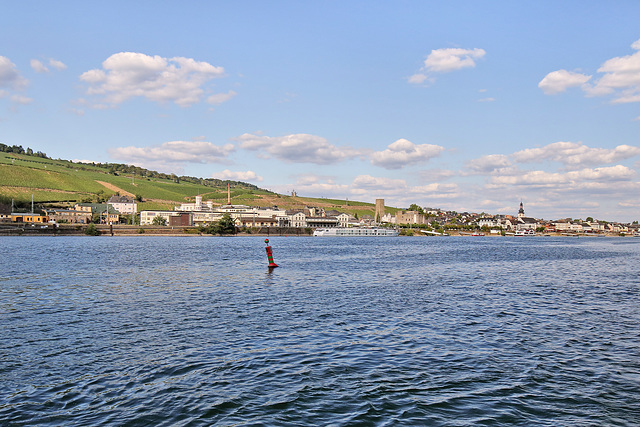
(136, 230)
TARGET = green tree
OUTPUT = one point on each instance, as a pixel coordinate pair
(159, 220)
(92, 230)
(415, 207)
(130, 219)
(226, 225)
(100, 197)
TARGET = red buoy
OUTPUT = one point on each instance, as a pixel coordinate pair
(270, 255)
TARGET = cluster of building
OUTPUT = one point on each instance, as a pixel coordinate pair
(569, 226)
(442, 218)
(199, 213)
(191, 214)
(205, 213)
(110, 212)
(509, 223)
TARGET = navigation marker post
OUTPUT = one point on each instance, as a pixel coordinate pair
(270, 255)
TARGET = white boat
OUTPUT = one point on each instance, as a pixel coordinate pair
(433, 233)
(355, 231)
(525, 233)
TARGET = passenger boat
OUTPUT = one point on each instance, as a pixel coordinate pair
(528, 232)
(355, 231)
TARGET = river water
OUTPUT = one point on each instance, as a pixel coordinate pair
(196, 331)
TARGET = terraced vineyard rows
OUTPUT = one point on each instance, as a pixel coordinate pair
(61, 182)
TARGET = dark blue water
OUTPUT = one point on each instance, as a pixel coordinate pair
(348, 331)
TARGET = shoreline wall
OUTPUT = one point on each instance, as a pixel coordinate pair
(9, 229)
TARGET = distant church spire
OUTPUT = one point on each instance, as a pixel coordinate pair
(521, 211)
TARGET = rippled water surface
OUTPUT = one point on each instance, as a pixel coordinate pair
(348, 331)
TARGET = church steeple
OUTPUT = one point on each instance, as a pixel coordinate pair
(521, 211)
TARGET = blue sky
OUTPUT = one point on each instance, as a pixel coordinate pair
(462, 105)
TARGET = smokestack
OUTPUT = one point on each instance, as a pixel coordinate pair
(228, 193)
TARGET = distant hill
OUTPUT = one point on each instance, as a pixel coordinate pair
(53, 182)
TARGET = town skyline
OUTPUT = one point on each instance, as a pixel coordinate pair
(378, 207)
(461, 106)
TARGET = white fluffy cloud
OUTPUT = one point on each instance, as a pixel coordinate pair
(575, 155)
(403, 153)
(574, 179)
(366, 187)
(398, 191)
(39, 67)
(298, 148)
(445, 61)
(435, 191)
(9, 76)
(126, 75)
(175, 152)
(219, 98)
(559, 81)
(20, 99)
(13, 82)
(432, 175)
(368, 182)
(571, 179)
(572, 155)
(58, 65)
(626, 204)
(316, 186)
(620, 78)
(489, 163)
(249, 176)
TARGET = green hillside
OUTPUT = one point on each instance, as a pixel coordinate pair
(63, 183)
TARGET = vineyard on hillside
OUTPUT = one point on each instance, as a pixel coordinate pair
(62, 183)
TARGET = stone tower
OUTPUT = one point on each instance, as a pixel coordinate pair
(521, 211)
(379, 210)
